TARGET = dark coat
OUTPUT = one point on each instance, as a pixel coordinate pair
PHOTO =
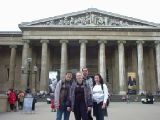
(87, 96)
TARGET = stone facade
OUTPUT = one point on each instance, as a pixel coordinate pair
(107, 43)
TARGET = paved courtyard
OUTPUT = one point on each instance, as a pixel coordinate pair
(116, 111)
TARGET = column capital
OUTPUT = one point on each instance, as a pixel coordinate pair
(63, 41)
(44, 41)
(157, 42)
(26, 41)
(13, 46)
(83, 41)
(140, 42)
(102, 41)
(121, 41)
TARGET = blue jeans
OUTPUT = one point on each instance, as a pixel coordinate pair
(60, 112)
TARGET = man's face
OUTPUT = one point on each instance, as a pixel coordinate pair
(68, 76)
(85, 71)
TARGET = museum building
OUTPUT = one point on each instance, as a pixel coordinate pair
(113, 45)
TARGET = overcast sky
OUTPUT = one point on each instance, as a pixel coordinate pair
(13, 12)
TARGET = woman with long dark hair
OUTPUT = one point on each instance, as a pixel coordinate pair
(100, 96)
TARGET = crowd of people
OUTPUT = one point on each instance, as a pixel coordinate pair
(16, 99)
(81, 95)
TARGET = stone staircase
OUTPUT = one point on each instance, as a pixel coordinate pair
(132, 98)
(113, 98)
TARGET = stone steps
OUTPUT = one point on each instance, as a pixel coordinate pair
(132, 98)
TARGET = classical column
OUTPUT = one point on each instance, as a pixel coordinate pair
(12, 65)
(158, 61)
(44, 71)
(24, 64)
(64, 57)
(102, 59)
(140, 66)
(82, 53)
(122, 79)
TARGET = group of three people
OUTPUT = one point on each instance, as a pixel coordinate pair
(80, 95)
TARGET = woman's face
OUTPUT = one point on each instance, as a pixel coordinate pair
(96, 79)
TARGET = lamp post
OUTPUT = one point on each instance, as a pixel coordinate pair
(35, 69)
(28, 70)
(29, 61)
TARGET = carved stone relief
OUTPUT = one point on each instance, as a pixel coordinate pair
(96, 19)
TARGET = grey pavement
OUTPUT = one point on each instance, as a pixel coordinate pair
(116, 111)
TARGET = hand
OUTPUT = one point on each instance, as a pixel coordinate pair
(69, 109)
(103, 106)
(89, 109)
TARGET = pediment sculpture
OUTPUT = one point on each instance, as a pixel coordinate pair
(95, 19)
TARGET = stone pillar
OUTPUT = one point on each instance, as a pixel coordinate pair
(158, 61)
(64, 57)
(102, 59)
(12, 66)
(24, 64)
(140, 66)
(122, 78)
(82, 53)
(44, 61)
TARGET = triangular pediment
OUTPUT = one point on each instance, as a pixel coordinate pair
(90, 17)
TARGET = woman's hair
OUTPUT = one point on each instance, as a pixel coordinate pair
(100, 79)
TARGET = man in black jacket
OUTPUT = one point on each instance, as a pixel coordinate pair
(89, 81)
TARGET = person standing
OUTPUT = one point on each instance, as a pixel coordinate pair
(80, 98)
(53, 108)
(61, 96)
(88, 81)
(100, 96)
(12, 98)
(20, 99)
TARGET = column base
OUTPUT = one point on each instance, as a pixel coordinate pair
(122, 92)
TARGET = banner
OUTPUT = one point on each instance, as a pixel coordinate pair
(27, 105)
(53, 80)
(132, 87)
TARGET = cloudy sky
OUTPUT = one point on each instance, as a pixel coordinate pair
(13, 12)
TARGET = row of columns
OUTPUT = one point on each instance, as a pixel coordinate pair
(101, 62)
